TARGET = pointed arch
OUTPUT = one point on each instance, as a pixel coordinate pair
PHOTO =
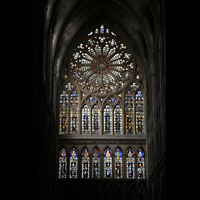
(86, 119)
(64, 103)
(73, 164)
(129, 112)
(118, 163)
(62, 164)
(96, 163)
(130, 164)
(141, 168)
(85, 163)
(74, 112)
(107, 119)
(117, 120)
(95, 120)
(139, 113)
(107, 163)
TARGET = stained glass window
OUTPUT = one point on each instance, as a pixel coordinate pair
(107, 120)
(63, 113)
(139, 113)
(129, 111)
(118, 163)
(141, 164)
(107, 163)
(63, 164)
(100, 64)
(96, 164)
(74, 112)
(86, 120)
(73, 165)
(102, 29)
(85, 163)
(117, 120)
(130, 165)
(95, 120)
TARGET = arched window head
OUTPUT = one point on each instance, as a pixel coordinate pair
(96, 120)
(102, 63)
(73, 164)
(130, 164)
(129, 112)
(107, 120)
(118, 163)
(64, 101)
(96, 164)
(63, 164)
(74, 113)
(118, 120)
(141, 164)
(86, 120)
(139, 113)
(85, 163)
(107, 163)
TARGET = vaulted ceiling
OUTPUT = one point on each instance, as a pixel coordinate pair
(69, 21)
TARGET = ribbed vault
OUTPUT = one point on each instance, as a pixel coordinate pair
(68, 22)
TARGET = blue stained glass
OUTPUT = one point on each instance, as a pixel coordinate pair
(129, 109)
(96, 164)
(141, 164)
(102, 29)
(63, 113)
(112, 101)
(107, 163)
(63, 164)
(118, 163)
(95, 120)
(86, 120)
(74, 112)
(73, 168)
(107, 120)
(85, 163)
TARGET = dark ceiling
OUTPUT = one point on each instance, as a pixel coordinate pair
(68, 21)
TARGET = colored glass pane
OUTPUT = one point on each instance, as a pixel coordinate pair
(99, 65)
(63, 164)
(118, 164)
(74, 113)
(73, 164)
(129, 111)
(85, 163)
(141, 164)
(130, 165)
(96, 164)
(95, 120)
(139, 113)
(118, 120)
(107, 120)
(107, 163)
(63, 113)
(86, 120)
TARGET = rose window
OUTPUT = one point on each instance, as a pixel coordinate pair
(102, 64)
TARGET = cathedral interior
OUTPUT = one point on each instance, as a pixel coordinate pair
(99, 99)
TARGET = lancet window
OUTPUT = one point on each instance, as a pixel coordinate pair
(95, 120)
(85, 163)
(118, 164)
(107, 163)
(73, 165)
(107, 120)
(86, 120)
(63, 164)
(130, 164)
(74, 112)
(96, 164)
(141, 164)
